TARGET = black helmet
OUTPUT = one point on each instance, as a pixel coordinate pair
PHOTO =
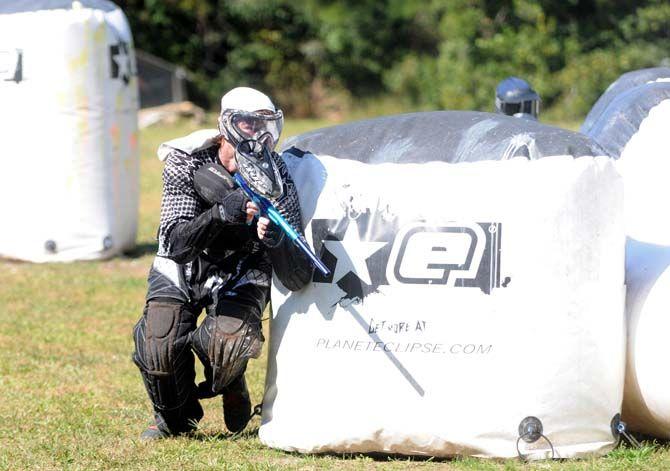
(515, 97)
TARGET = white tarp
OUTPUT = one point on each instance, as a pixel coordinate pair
(644, 163)
(464, 298)
(68, 120)
(646, 406)
(634, 128)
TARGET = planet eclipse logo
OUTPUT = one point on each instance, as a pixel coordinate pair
(365, 253)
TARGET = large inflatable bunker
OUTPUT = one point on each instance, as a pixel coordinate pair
(623, 84)
(634, 128)
(475, 304)
(70, 162)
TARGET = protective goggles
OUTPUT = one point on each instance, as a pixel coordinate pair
(531, 107)
(262, 126)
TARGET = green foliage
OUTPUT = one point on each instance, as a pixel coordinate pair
(569, 51)
(425, 54)
(227, 43)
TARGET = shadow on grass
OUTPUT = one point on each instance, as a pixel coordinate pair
(379, 457)
(141, 250)
(382, 457)
(228, 436)
(649, 445)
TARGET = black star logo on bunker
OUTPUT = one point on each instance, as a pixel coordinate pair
(120, 61)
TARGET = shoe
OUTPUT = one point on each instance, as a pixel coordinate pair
(236, 405)
(153, 433)
(181, 422)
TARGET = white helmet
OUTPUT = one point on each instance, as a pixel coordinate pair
(247, 113)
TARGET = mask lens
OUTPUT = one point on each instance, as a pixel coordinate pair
(258, 126)
(530, 107)
(511, 108)
(247, 125)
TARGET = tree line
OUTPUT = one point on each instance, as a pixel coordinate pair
(313, 56)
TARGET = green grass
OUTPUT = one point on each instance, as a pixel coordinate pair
(71, 398)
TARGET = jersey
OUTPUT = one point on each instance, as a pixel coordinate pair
(202, 260)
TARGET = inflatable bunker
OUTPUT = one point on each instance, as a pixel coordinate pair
(623, 84)
(475, 305)
(70, 163)
(634, 128)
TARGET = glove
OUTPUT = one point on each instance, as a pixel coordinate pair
(233, 207)
(273, 236)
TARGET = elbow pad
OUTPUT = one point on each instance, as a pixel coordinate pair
(217, 187)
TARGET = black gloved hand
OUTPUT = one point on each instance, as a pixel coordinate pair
(273, 236)
(233, 207)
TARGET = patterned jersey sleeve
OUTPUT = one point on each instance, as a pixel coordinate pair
(288, 204)
(291, 266)
(180, 202)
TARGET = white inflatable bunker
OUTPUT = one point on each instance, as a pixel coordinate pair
(475, 305)
(633, 127)
(70, 168)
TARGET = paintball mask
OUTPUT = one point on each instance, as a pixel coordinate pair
(515, 97)
(258, 176)
(258, 169)
(263, 126)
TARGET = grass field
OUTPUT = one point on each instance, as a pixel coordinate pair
(71, 398)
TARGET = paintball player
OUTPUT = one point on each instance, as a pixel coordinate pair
(213, 254)
(515, 97)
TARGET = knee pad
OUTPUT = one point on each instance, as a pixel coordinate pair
(225, 344)
(163, 355)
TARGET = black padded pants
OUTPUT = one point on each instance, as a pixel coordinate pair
(166, 362)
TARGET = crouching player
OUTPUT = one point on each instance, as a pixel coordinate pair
(212, 255)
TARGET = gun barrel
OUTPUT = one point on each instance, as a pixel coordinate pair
(312, 256)
(277, 218)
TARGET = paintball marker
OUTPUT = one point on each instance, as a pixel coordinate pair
(259, 178)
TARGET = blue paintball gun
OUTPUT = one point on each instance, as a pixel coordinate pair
(260, 180)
